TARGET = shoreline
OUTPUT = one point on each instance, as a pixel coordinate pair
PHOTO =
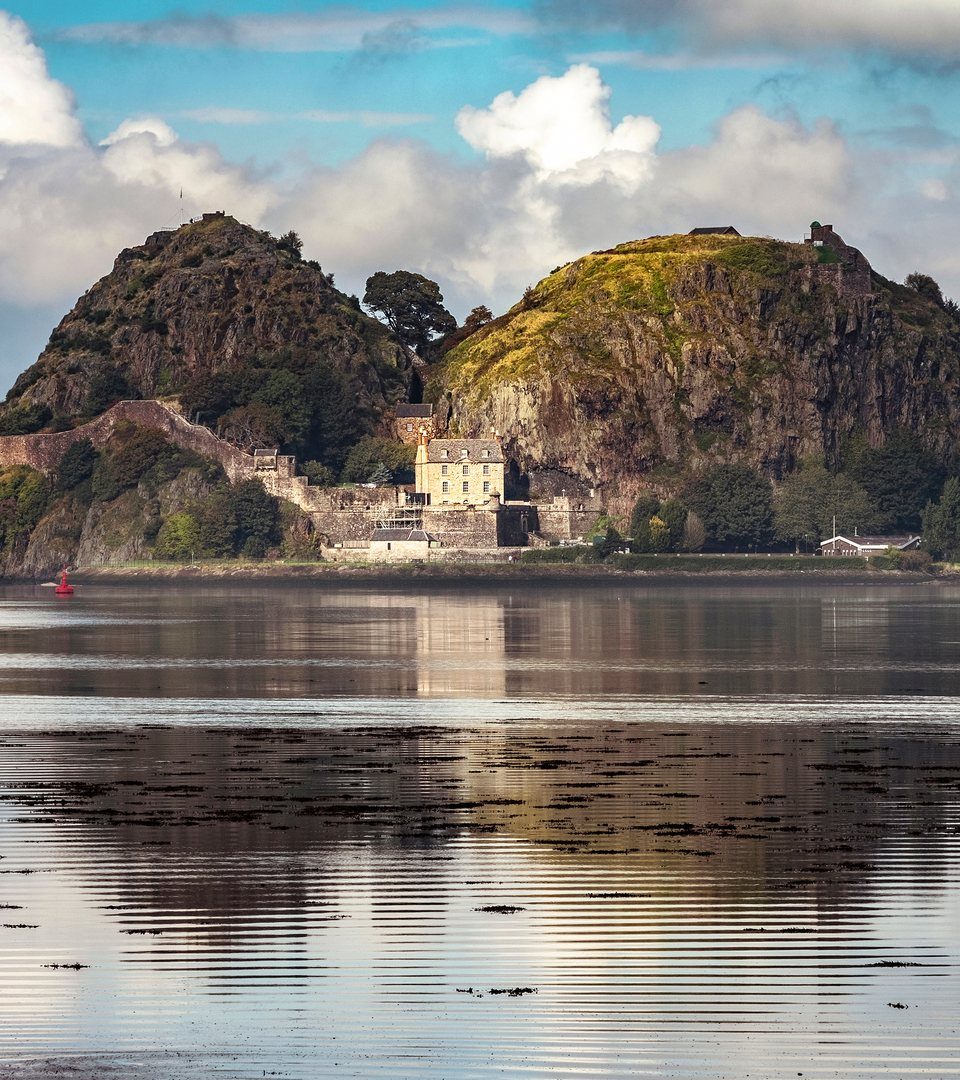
(481, 573)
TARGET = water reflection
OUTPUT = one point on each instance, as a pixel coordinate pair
(311, 833)
(513, 642)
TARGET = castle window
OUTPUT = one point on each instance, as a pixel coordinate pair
(486, 470)
(466, 488)
(486, 453)
(409, 427)
(466, 470)
(445, 486)
(444, 453)
(486, 487)
(444, 469)
(464, 452)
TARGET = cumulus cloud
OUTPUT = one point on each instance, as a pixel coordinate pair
(553, 176)
(67, 207)
(561, 127)
(34, 109)
(921, 29)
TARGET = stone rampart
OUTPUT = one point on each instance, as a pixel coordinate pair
(45, 451)
(338, 514)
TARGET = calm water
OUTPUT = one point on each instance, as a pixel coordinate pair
(561, 832)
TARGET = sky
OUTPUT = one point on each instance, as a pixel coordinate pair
(480, 144)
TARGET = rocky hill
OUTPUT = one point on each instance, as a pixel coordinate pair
(649, 361)
(212, 298)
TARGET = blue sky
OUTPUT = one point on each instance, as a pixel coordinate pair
(478, 143)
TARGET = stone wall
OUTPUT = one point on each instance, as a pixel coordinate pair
(45, 451)
(462, 527)
(338, 514)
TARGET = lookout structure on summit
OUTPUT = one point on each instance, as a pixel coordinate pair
(849, 265)
(714, 230)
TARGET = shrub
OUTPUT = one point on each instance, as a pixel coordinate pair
(77, 465)
(24, 419)
(318, 473)
(371, 452)
(178, 537)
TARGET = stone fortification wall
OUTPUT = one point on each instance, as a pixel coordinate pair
(45, 451)
(338, 514)
(566, 518)
(463, 527)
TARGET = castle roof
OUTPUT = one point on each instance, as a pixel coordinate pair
(401, 534)
(445, 450)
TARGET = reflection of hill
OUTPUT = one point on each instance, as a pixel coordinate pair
(576, 643)
(221, 828)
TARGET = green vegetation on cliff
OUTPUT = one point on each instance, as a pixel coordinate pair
(234, 323)
(655, 359)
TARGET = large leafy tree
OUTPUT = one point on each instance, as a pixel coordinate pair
(411, 305)
(808, 502)
(900, 477)
(941, 523)
(735, 504)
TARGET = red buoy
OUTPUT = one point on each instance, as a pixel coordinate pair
(64, 588)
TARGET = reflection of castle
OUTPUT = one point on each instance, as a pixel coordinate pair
(460, 648)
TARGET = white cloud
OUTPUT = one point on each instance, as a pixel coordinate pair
(158, 130)
(554, 177)
(561, 127)
(34, 109)
(66, 207)
(914, 31)
(338, 29)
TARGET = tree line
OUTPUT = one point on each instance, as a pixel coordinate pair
(897, 488)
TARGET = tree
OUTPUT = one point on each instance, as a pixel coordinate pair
(900, 477)
(24, 494)
(643, 510)
(253, 426)
(808, 502)
(24, 419)
(291, 242)
(941, 523)
(925, 286)
(76, 465)
(380, 475)
(411, 305)
(674, 515)
(207, 395)
(257, 515)
(371, 452)
(735, 504)
(107, 386)
(659, 534)
(284, 392)
(694, 534)
(479, 316)
(178, 538)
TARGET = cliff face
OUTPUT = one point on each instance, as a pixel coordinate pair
(656, 358)
(207, 297)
